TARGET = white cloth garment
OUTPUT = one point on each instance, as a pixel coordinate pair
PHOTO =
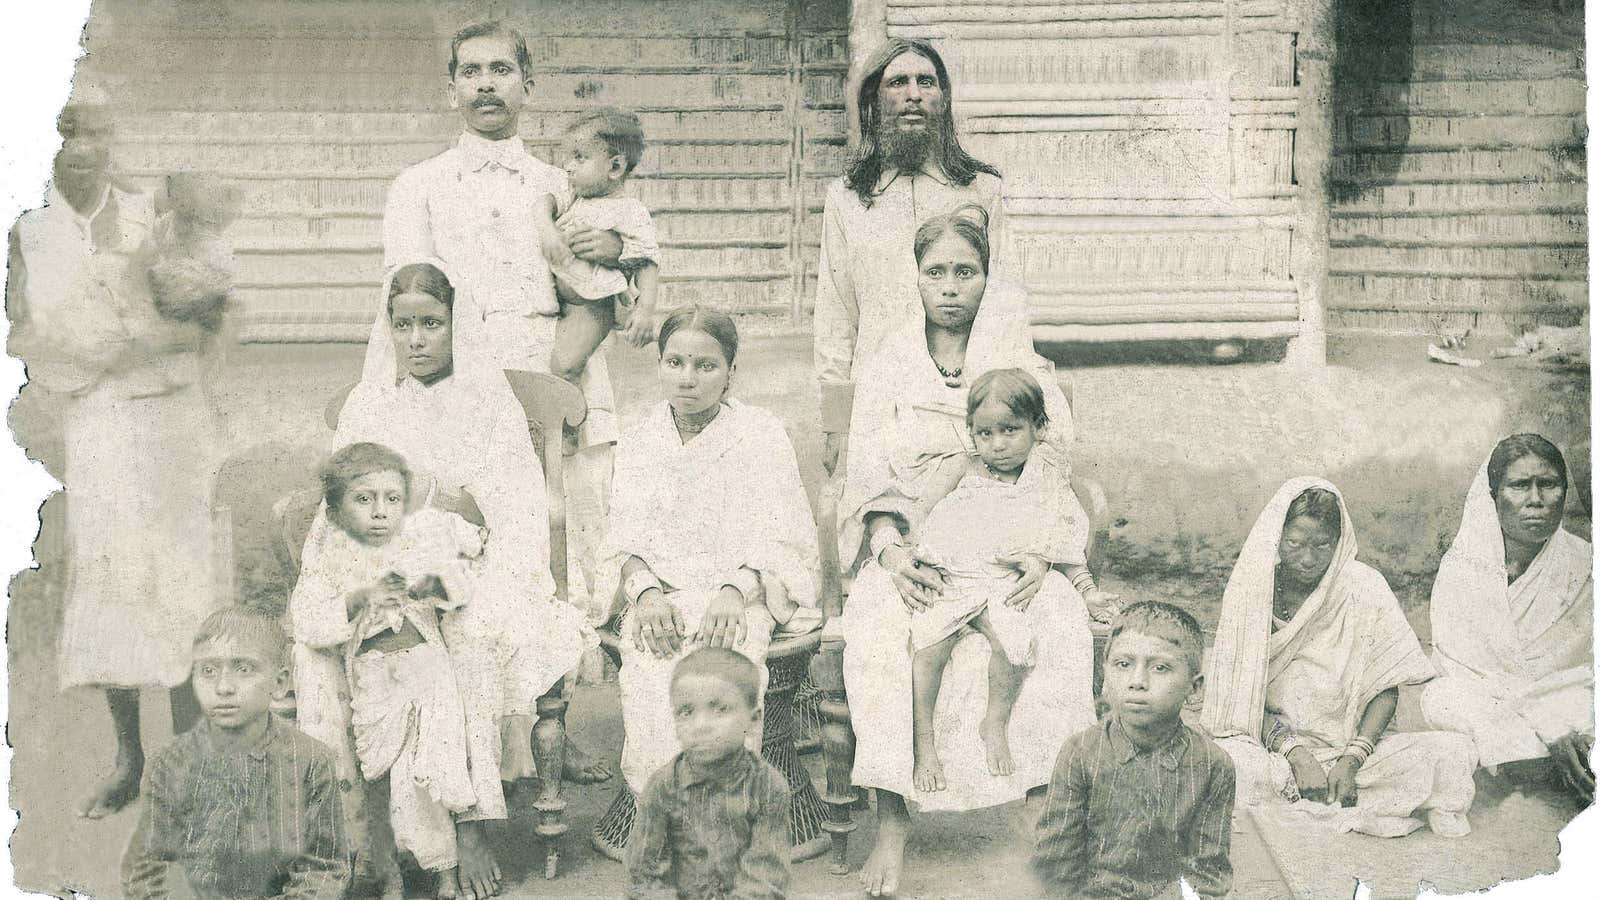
(1516, 660)
(1316, 673)
(696, 512)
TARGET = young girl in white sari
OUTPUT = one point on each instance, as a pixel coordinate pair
(710, 538)
(1513, 620)
(366, 614)
(1304, 678)
(432, 390)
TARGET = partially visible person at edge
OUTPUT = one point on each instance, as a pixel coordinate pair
(908, 167)
(911, 423)
(1305, 675)
(1513, 625)
(474, 206)
(128, 385)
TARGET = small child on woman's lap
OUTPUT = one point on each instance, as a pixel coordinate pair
(599, 151)
(994, 512)
(374, 595)
(714, 822)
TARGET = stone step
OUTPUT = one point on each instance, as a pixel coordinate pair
(1530, 228)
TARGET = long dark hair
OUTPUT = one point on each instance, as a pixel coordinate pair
(861, 173)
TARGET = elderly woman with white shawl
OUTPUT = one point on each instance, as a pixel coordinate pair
(909, 420)
(1304, 677)
(1513, 620)
(429, 391)
(710, 539)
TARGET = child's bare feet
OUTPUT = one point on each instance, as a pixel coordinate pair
(927, 774)
(479, 873)
(880, 875)
(996, 746)
(119, 789)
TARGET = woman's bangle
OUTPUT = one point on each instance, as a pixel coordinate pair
(636, 584)
(1083, 582)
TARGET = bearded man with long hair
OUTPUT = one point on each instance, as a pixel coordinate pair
(907, 167)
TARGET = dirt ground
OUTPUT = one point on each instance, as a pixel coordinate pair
(1186, 453)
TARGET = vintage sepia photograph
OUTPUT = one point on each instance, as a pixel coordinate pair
(749, 449)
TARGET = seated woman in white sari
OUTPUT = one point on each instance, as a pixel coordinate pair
(1304, 677)
(909, 421)
(430, 391)
(1513, 620)
(710, 537)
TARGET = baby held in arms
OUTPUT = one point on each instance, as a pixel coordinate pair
(382, 581)
(995, 512)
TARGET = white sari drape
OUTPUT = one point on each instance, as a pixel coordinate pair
(467, 432)
(1517, 660)
(1316, 673)
(907, 423)
(696, 512)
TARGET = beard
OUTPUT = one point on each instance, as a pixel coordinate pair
(908, 150)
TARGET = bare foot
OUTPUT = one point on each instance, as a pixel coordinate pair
(880, 875)
(479, 873)
(119, 789)
(445, 886)
(582, 768)
(997, 747)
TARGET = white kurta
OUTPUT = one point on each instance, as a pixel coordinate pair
(696, 513)
(142, 443)
(1516, 660)
(1315, 675)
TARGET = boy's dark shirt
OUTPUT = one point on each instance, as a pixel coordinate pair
(260, 822)
(1122, 823)
(719, 834)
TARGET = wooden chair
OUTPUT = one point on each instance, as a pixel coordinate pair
(551, 405)
(827, 682)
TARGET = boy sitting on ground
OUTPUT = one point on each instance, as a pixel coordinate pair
(242, 805)
(1141, 800)
(714, 822)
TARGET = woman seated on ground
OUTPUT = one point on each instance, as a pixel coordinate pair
(1513, 620)
(710, 536)
(430, 393)
(1305, 674)
(910, 419)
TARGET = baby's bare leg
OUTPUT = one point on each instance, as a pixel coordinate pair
(927, 671)
(581, 329)
(1005, 683)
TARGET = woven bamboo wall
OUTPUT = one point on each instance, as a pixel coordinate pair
(1147, 150)
(1459, 170)
(316, 107)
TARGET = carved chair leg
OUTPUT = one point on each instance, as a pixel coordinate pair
(549, 754)
(838, 748)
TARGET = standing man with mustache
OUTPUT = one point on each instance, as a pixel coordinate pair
(908, 167)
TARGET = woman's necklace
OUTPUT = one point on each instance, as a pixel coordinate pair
(694, 423)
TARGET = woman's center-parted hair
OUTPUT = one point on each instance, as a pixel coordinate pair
(1518, 446)
(714, 322)
(1319, 505)
(1015, 388)
(968, 222)
(1164, 621)
(728, 666)
(421, 278)
(352, 462)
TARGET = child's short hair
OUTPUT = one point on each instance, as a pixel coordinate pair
(730, 666)
(519, 46)
(1018, 390)
(617, 128)
(250, 627)
(1165, 621)
(354, 461)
